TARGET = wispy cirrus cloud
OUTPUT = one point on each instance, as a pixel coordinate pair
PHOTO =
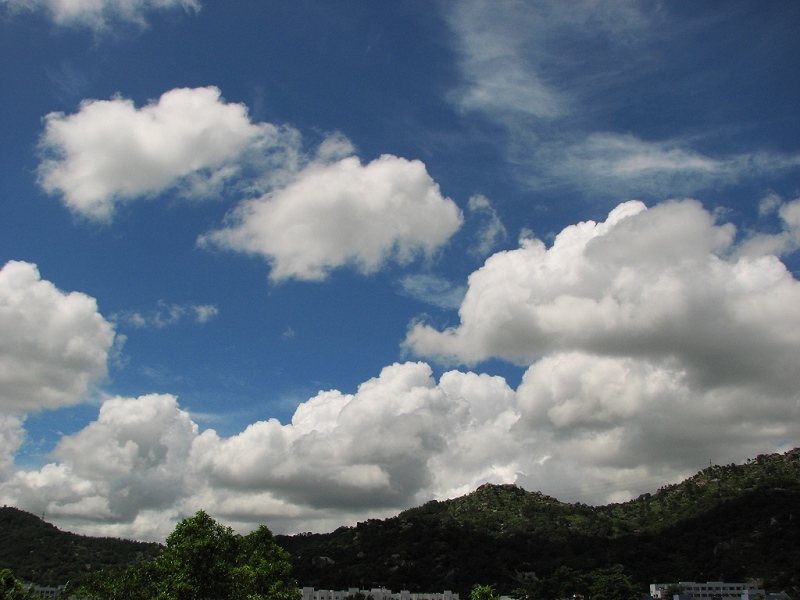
(512, 63)
(433, 290)
(517, 72)
(614, 165)
(491, 230)
(99, 15)
(165, 315)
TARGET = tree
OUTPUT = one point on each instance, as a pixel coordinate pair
(198, 560)
(672, 590)
(611, 584)
(564, 582)
(136, 583)
(204, 560)
(483, 592)
(262, 569)
(11, 588)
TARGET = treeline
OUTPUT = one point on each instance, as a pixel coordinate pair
(202, 559)
(731, 522)
(35, 550)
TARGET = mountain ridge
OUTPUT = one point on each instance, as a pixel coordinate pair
(40, 552)
(728, 522)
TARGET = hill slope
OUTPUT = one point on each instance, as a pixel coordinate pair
(38, 551)
(729, 522)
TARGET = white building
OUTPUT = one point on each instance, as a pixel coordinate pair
(43, 591)
(711, 590)
(310, 593)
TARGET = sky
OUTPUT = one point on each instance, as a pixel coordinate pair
(307, 263)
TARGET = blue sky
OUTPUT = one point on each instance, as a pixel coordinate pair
(308, 263)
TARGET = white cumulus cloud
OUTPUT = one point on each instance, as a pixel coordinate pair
(784, 242)
(341, 451)
(111, 152)
(12, 434)
(306, 214)
(129, 462)
(652, 338)
(53, 345)
(657, 283)
(343, 213)
(610, 428)
(580, 426)
(652, 345)
(400, 439)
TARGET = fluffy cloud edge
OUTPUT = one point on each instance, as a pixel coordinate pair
(664, 282)
(341, 213)
(617, 398)
(306, 215)
(110, 152)
(54, 346)
(579, 427)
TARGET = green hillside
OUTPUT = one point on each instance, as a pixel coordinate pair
(37, 551)
(731, 522)
(726, 523)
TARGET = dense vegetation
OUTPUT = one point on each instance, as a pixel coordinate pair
(730, 522)
(203, 559)
(12, 588)
(37, 551)
(726, 523)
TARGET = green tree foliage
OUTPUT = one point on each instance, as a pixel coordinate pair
(11, 588)
(565, 582)
(199, 559)
(483, 592)
(135, 583)
(611, 584)
(204, 560)
(732, 522)
(673, 589)
(263, 570)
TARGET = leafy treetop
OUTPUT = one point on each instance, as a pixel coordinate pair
(204, 560)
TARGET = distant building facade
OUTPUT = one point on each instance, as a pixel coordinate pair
(43, 591)
(711, 590)
(309, 593)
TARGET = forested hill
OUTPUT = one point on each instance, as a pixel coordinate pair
(37, 551)
(730, 522)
